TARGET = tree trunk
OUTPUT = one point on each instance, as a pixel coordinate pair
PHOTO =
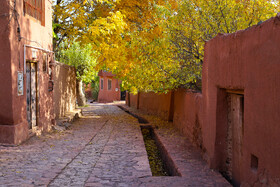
(128, 98)
(80, 93)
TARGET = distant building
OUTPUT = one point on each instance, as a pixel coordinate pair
(26, 97)
(109, 88)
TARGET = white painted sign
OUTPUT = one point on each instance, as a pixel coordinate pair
(34, 54)
(20, 83)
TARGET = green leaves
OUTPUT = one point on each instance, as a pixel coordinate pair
(82, 58)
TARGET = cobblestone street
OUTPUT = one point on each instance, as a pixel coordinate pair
(103, 148)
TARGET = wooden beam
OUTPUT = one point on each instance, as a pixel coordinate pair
(241, 92)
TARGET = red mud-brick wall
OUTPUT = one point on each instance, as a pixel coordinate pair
(64, 93)
(182, 106)
(6, 110)
(133, 100)
(156, 104)
(248, 60)
(46, 106)
(13, 122)
(188, 115)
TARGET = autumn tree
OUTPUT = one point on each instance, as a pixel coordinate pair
(156, 45)
(174, 57)
(196, 22)
(71, 18)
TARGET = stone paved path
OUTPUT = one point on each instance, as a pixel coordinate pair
(103, 148)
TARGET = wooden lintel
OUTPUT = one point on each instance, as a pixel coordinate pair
(31, 60)
(241, 92)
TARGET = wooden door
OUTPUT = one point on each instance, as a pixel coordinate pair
(235, 137)
(31, 92)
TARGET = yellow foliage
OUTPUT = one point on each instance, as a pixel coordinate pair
(156, 44)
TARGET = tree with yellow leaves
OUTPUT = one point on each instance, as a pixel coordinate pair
(156, 45)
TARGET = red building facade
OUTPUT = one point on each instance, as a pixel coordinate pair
(26, 69)
(109, 88)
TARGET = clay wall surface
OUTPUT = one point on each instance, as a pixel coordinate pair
(25, 31)
(184, 109)
(133, 100)
(188, 115)
(6, 112)
(105, 95)
(64, 94)
(157, 104)
(246, 61)
(45, 105)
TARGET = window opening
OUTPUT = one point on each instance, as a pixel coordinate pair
(109, 84)
(254, 163)
(45, 62)
(102, 84)
(35, 9)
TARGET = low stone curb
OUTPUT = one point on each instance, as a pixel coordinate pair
(65, 122)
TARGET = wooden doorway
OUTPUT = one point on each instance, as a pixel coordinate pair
(234, 138)
(31, 94)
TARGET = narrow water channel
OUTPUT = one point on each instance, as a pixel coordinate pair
(160, 162)
(157, 165)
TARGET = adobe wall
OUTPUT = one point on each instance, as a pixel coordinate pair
(157, 104)
(45, 101)
(6, 112)
(13, 122)
(133, 100)
(183, 107)
(64, 93)
(246, 60)
(188, 115)
(105, 95)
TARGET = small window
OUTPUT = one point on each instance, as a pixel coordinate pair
(109, 84)
(254, 163)
(35, 9)
(101, 84)
(45, 62)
